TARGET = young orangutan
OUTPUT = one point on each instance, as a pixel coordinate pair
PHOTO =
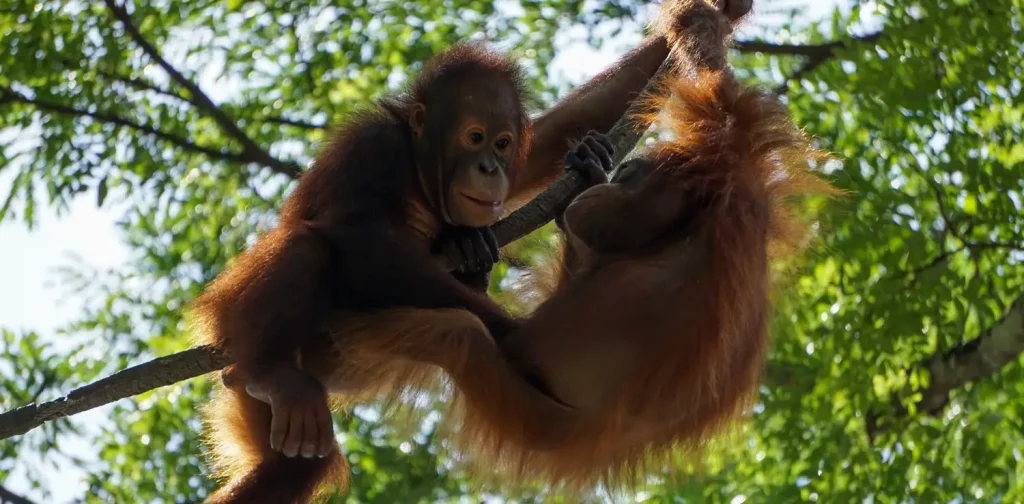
(410, 176)
(656, 337)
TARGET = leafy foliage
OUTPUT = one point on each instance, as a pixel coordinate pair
(924, 254)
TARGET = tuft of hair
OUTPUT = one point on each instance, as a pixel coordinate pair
(739, 143)
(445, 69)
(464, 58)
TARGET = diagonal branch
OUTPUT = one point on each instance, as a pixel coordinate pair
(998, 346)
(298, 123)
(813, 63)
(143, 84)
(249, 148)
(125, 383)
(8, 94)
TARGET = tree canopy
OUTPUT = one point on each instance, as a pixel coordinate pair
(894, 374)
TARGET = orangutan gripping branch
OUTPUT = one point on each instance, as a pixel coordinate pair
(656, 336)
(426, 170)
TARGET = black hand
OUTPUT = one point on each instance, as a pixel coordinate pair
(478, 281)
(592, 158)
(379, 271)
(473, 250)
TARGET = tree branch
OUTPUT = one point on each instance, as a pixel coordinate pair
(249, 148)
(293, 122)
(126, 383)
(812, 63)
(204, 359)
(809, 50)
(117, 120)
(142, 84)
(9, 497)
(998, 346)
(816, 54)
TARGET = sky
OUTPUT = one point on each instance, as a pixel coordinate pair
(31, 298)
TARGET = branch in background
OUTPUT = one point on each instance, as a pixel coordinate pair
(293, 122)
(249, 148)
(809, 50)
(205, 359)
(979, 358)
(8, 94)
(816, 54)
(139, 83)
(808, 67)
(998, 346)
(142, 84)
(9, 497)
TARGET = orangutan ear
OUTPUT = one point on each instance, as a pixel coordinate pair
(417, 118)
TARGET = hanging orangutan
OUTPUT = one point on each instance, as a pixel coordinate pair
(654, 339)
(421, 172)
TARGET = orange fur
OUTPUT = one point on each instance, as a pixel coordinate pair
(269, 309)
(238, 427)
(650, 351)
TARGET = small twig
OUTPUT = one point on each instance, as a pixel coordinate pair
(249, 148)
(816, 54)
(293, 122)
(10, 95)
(915, 273)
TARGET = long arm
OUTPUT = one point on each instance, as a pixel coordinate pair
(595, 105)
(501, 409)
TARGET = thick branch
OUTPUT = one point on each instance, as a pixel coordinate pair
(249, 148)
(979, 358)
(998, 346)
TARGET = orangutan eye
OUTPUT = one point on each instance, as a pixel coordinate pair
(502, 143)
(476, 137)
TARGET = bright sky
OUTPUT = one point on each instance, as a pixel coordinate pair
(29, 294)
